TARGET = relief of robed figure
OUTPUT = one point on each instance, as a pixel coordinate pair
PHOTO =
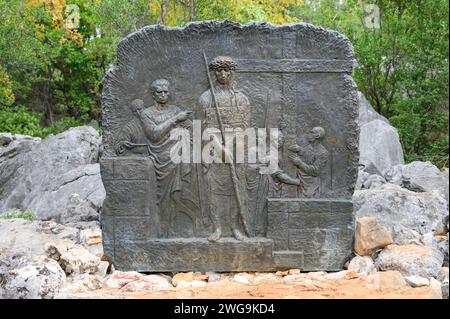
(152, 126)
(227, 210)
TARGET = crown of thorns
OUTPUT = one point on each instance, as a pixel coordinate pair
(222, 62)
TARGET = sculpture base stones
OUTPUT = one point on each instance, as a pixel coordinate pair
(225, 255)
(318, 233)
(194, 254)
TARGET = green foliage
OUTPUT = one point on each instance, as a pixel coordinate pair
(6, 95)
(21, 121)
(47, 63)
(402, 66)
(51, 74)
(15, 213)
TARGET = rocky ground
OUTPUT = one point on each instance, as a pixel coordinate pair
(71, 265)
(345, 284)
(401, 232)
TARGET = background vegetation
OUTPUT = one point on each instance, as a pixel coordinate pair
(51, 72)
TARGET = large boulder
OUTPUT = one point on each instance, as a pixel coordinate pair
(13, 147)
(30, 277)
(8, 138)
(419, 177)
(405, 214)
(366, 111)
(53, 177)
(379, 145)
(411, 260)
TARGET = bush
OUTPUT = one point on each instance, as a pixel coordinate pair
(21, 121)
(6, 94)
(16, 213)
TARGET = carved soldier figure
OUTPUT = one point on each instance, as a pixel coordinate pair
(310, 161)
(234, 107)
(157, 121)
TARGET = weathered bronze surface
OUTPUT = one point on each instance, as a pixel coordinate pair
(160, 215)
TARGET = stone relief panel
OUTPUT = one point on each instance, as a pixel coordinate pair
(164, 215)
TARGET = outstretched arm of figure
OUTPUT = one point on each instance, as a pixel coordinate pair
(285, 178)
(156, 132)
(313, 169)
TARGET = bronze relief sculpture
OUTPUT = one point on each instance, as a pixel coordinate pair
(267, 87)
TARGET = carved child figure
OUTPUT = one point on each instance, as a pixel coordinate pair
(310, 160)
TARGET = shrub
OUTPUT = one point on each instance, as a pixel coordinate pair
(16, 213)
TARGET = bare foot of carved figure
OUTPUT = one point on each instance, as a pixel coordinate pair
(238, 235)
(216, 235)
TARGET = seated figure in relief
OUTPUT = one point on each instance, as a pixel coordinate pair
(131, 138)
